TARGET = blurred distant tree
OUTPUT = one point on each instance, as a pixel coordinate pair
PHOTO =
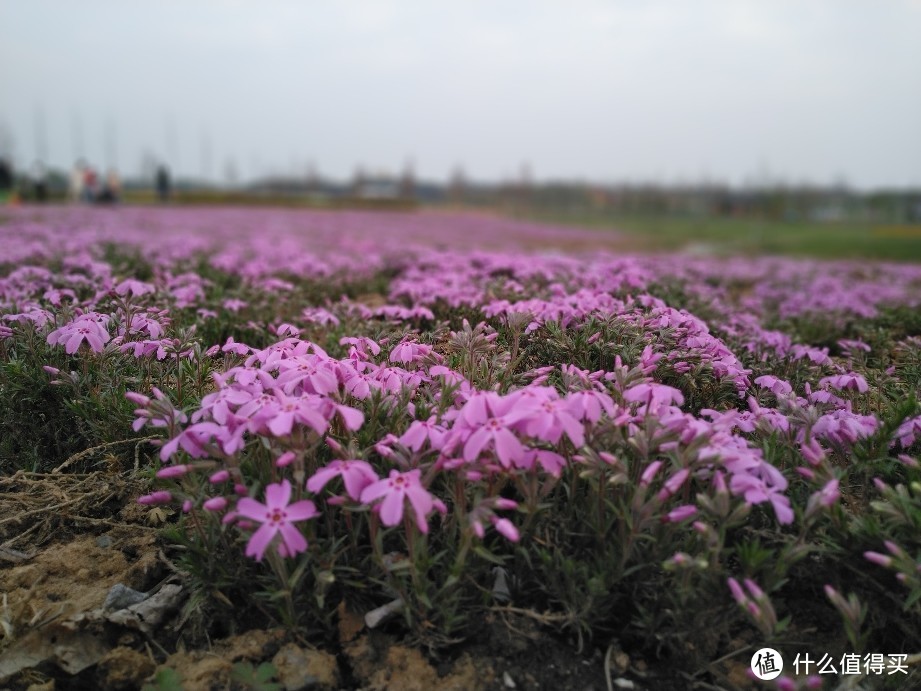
(358, 181)
(457, 190)
(230, 173)
(313, 179)
(525, 186)
(7, 145)
(148, 167)
(407, 189)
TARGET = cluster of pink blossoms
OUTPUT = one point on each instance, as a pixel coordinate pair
(293, 393)
(294, 387)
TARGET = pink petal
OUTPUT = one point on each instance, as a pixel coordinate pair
(252, 509)
(312, 419)
(422, 503)
(782, 509)
(475, 444)
(73, 343)
(414, 437)
(542, 428)
(277, 495)
(320, 478)
(96, 343)
(574, 430)
(294, 540)
(508, 448)
(352, 418)
(374, 491)
(280, 425)
(260, 540)
(301, 510)
(391, 508)
(357, 478)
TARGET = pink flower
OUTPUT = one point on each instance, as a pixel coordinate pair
(280, 416)
(89, 327)
(395, 490)
(361, 346)
(756, 490)
(355, 474)
(277, 517)
(310, 372)
(653, 396)
(495, 431)
(420, 430)
(908, 431)
(778, 386)
(409, 351)
(588, 405)
(134, 287)
(846, 381)
(236, 348)
(549, 419)
(196, 440)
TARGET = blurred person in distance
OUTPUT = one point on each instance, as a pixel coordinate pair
(39, 182)
(111, 188)
(76, 181)
(6, 181)
(163, 184)
(90, 184)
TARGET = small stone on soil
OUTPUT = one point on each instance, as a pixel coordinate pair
(121, 597)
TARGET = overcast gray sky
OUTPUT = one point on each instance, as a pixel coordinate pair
(605, 90)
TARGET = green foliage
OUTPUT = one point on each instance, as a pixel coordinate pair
(165, 679)
(256, 678)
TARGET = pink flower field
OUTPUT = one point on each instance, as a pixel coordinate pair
(444, 430)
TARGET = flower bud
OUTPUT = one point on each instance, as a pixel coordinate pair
(173, 471)
(215, 504)
(680, 513)
(878, 558)
(219, 477)
(160, 497)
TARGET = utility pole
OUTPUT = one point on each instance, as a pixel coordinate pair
(41, 142)
(76, 136)
(111, 147)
